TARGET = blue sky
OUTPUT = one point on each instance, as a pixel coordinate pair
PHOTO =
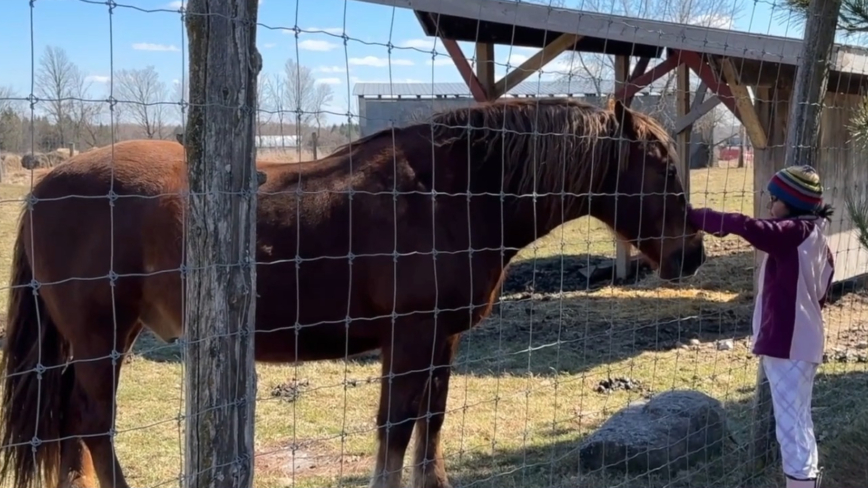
(133, 38)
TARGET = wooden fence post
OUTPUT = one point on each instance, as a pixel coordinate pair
(220, 231)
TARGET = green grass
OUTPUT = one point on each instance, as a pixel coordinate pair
(516, 418)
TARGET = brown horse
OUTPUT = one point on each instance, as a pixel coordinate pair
(356, 253)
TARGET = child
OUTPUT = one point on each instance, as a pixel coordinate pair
(793, 284)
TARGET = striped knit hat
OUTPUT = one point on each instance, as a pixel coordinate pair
(798, 187)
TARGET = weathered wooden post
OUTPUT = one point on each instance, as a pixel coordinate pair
(812, 76)
(220, 235)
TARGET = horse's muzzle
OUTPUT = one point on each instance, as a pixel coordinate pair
(684, 262)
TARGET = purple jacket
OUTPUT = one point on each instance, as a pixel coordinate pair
(794, 280)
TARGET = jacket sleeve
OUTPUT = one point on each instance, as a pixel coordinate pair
(768, 235)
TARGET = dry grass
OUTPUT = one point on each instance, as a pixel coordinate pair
(284, 155)
(523, 394)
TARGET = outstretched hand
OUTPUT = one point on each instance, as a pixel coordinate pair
(706, 219)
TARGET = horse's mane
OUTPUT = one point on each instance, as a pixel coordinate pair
(544, 143)
(547, 144)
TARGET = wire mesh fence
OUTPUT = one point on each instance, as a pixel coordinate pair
(439, 295)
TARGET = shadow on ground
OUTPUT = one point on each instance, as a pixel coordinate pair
(838, 400)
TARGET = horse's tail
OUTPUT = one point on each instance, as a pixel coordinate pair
(36, 389)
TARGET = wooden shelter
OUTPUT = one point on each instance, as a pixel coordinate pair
(730, 64)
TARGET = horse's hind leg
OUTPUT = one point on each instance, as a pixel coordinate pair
(93, 402)
(76, 465)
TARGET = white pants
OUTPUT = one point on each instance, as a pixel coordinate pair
(791, 384)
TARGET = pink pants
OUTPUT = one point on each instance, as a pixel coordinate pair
(792, 382)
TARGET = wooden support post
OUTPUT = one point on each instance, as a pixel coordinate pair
(485, 67)
(682, 99)
(811, 79)
(622, 249)
(220, 235)
(535, 63)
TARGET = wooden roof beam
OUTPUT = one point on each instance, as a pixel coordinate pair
(749, 117)
(634, 85)
(534, 63)
(730, 94)
(707, 76)
(463, 66)
(695, 113)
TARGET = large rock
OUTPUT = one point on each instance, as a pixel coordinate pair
(670, 432)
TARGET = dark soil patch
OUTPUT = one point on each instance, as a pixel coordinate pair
(564, 274)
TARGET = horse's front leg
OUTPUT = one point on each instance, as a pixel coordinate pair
(429, 470)
(406, 367)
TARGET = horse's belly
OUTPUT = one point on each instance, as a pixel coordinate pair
(313, 343)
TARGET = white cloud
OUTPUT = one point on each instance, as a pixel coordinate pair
(712, 20)
(329, 69)
(316, 45)
(426, 44)
(269, 45)
(379, 62)
(97, 78)
(328, 81)
(515, 59)
(148, 46)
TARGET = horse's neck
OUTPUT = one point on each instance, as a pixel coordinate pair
(525, 222)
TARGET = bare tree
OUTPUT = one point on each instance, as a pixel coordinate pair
(56, 81)
(10, 119)
(302, 95)
(181, 97)
(322, 96)
(84, 112)
(9, 99)
(267, 97)
(145, 95)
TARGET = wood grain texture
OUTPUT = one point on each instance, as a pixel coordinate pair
(220, 237)
(812, 78)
